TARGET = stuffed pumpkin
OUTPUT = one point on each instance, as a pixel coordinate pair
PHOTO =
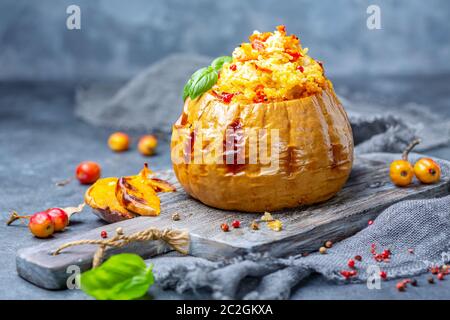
(262, 130)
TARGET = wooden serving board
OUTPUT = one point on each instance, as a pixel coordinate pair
(305, 229)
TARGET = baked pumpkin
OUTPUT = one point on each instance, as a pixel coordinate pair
(138, 193)
(115, 199)
(273, 90)
(101, 197)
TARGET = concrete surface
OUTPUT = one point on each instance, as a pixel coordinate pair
(41, 143)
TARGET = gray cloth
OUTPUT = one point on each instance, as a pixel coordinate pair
(417, 232)
(150, 101)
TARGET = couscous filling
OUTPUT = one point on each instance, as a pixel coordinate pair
(272, 67)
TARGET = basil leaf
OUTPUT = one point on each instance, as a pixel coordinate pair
(204, 79)
(186, 89)
(218, 63)
(122, 277)
(202, 82)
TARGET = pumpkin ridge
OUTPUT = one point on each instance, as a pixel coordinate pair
(330, 125)
(314, 164)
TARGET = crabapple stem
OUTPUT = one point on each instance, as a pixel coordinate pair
(15, 216)
(409, 149)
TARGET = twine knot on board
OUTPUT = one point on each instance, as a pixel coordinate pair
(177, 239)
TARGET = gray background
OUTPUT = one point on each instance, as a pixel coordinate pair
(118, 38)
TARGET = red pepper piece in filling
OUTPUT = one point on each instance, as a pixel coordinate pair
(260, 36)
(262, 68)
(295, 55)
(260, 95)
(281, 29)
(258, 45)
(259, 99)
(227, 97)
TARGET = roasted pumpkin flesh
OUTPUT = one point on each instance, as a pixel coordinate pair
(126, 197)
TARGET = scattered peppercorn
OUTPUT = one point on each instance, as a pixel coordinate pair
(380, 257)
(176, 216)
(348, 273)
(383, 275)
(224, 227)
(358, 258)
(323, 250)
(104, 234)
(353, 273)
(411, 251)
(430, 279)
(434, 270)
(254, 225)
(401, 286)
(414, 282)
(328, 244)
(440, 276)
(119, 231)
(370, 222)
(236, 224)
(351, 263)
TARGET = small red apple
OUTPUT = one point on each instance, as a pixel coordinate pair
(59, 217)
(41, 225)
(147, 145)
(88, 172)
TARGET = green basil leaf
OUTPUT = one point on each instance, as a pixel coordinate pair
(188, 85)
(186, 89)
(202, 82)
(218, 63)
(204, 79)
(122, 277)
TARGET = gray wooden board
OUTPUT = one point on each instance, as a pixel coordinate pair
(305, 229)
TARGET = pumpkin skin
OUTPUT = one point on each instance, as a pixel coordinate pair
(315, 152)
